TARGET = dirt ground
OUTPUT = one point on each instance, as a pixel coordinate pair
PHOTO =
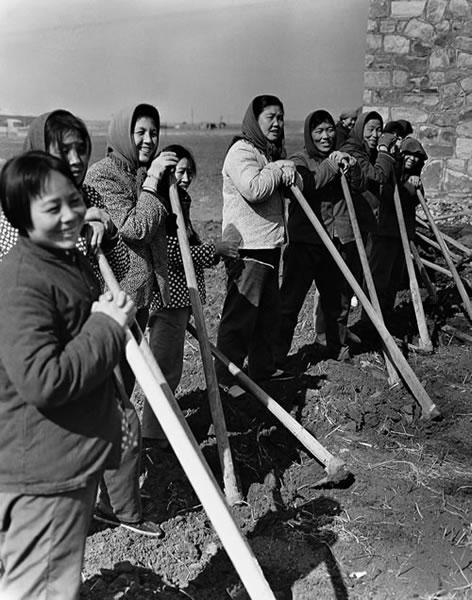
(399, 527)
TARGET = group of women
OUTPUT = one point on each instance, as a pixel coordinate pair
(64, 431)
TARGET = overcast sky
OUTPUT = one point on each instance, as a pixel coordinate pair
(200, 58)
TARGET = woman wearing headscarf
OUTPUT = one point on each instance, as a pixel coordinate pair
(255, 175)
(65, 136)
(306, 259)
(128, 179)
(387, 259)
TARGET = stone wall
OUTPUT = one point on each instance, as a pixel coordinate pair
(419, 67)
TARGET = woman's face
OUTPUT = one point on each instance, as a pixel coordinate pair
(372, 131)
(57, 214)
(184, 173)
(271, 122)
(145, 137)
(410, 161)
(323, 136)
(75, 151)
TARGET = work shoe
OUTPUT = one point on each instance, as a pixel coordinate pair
(233, 391)
(142, 527)
(279, 375)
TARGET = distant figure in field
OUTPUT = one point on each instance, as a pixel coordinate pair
(128, 179)
(255, 174)
(168, 323)
(60, 422)
(344, 126)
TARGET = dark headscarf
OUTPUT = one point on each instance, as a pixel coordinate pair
(251, 132)
(36, 136)
(355, 141)
(411, 145)
(120, 139)
(312, 120)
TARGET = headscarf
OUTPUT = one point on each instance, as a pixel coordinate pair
(251, 132)
(356, 141)
(36, 136)
(120, 139)
(313, 119)
(411, 145)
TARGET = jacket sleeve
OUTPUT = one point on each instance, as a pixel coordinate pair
(318, 176)
(203, 255)
(138, 221)
(378, 173)
(254, 182)
(45, 372)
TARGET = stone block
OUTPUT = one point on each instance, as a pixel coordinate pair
(453, 102)
(439, 59)
(407, 8)
(444, 26)
(437, 78)
(460, 9)
(444, 38)
(431, 101)
(377, 79)
(396, 44)
(379, 9)
(367, 97)
(464, 129)
(455, 181)
(464, 43)
(372, 26)
(447, 136)
(438, 150)
(464, 147)
(414, 64)
(456, 164)
(428, 133)
(464, 59)
(435, 11)
(400, 78)
(412, 99)
(369, 60)
(466, 84)
(468, 100)
(420, 49)
(419, 30)
(374, 42)
(410, 113)
(388, 26)
(431, 174)
(451, 89)
(445, 118)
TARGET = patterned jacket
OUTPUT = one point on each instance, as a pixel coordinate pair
(140, 218)
(116, 253)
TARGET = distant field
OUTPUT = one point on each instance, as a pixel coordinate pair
(208, 147)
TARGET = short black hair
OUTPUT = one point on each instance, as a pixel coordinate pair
(394, 127)
(24, 178)
(261, 102)
(59, 123)
(181, 153)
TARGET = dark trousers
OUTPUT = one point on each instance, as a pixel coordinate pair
(119, 488)
(42, 542)
(303, 264)
(387, 262)
(250, 314)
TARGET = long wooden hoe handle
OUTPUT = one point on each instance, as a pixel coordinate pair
(303, 436)
(167, 411)
(425, 340)
(393, 377)
(447, 256)
(232, 492)
(429, 409)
